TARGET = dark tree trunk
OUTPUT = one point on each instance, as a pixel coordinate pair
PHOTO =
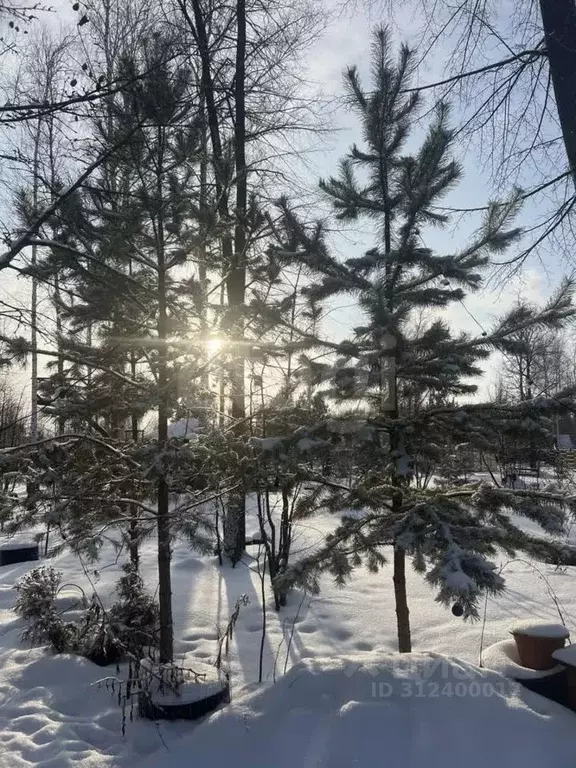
(133, 529)
(164, 575)
(236, 286)
(559, 22)
(284, 544)
(269, 541)
(59, 332)
(389, 386)
(164, 553)
(133, 542)
(202, 252)
(234, 524)
(402, 612)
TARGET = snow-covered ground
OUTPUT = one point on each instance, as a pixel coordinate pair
(52, 714)
(418, 712)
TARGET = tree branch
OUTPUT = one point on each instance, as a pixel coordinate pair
(531, 54)
(7, 257)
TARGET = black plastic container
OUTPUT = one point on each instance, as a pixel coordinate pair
(182, 710)
(16, 553)
(554, 686)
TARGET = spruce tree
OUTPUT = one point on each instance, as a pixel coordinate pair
(451, 533)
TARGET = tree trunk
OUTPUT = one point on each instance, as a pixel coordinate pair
(222, 374)
(389, 401)
(34, 301)
(133, 528)
(236, 287)
(164, 575)
(234, 524)
(34, 354)
(164, 553)
(133, 542)
(202, 251)
(284, 544)
(59, 332)
(559, 22)
(402, 612)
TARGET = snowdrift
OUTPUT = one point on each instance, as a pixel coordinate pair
(413, 711)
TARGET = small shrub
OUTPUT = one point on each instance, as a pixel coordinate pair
(128, 628)
(37, 592)
(96, 639)
(36, 603)
(134, 617)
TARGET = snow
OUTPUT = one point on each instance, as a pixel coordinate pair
(503, 657)
(9, 547)
(265, 443)
(54, 714)
(306, 444)
(566, 656)
(51, 715)
(420, 711)
(539, 629)
(184, 428)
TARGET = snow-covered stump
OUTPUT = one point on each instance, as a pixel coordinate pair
(188, 699)
(22, 552)
(536, 641)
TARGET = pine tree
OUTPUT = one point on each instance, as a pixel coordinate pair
(125, 247)
(390, 362)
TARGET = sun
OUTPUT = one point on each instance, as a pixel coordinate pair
(213, 346)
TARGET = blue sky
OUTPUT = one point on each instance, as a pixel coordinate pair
(347, 42)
